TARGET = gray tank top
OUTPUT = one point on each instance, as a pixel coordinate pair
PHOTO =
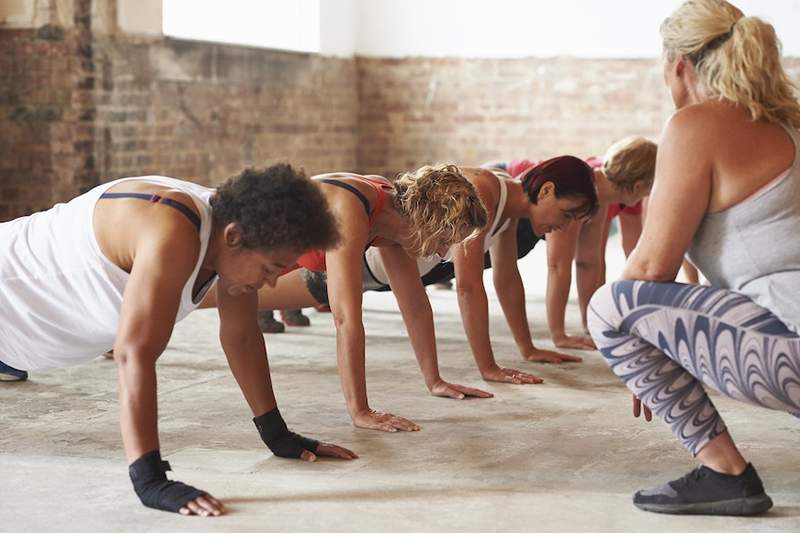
(753, 247)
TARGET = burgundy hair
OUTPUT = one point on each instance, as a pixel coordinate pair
(572, 178)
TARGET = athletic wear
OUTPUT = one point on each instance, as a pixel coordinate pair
(8, 373)
(60, 297)
(738, 336)
(754, 246)
(278, 438)
(149, 477)
(704, 491)
(665, 339)
(315, 259)
(434, 269)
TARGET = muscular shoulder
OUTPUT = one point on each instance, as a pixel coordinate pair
(486, 184)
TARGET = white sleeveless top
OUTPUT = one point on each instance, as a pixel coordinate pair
(374, 261)
(60, 297)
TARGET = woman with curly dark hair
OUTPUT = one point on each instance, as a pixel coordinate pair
(121, 264)
(417, 214)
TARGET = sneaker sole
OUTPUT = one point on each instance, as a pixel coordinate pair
(7, 378)
(738, 507)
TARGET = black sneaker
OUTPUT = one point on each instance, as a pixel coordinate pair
(704, 491)
(9, 373)
(268, 324)
(295, 317)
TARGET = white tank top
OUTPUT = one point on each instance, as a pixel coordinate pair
(60, 297)
(374, 261)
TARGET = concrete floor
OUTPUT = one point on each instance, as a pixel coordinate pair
(562, 456)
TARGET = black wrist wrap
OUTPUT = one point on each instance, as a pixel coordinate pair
(278, 438)
(148, 474)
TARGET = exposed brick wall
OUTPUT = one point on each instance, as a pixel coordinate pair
(203, 110)
(416, 111)
(78, 109)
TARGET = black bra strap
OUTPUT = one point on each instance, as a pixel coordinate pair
(155, 198)
(350, 188)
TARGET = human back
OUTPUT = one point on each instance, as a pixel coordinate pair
(60, 295)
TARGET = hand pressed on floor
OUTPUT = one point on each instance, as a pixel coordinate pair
(574, 342)
(370, 419)
(444, 389)
(549, 356)
(510, 375)
(203, 506)
(326, 449)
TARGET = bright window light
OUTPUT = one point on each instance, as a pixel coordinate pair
(282, 24)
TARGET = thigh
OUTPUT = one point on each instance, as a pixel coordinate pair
(720, 337)
(291, 292)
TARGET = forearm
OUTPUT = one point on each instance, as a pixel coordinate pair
(474, 308)
(420, 328)
(350, 341)
(558, 283)
(589, 279)
(250, 368)
(138, 409)
(511, 293)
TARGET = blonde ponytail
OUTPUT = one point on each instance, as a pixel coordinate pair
(737, 58)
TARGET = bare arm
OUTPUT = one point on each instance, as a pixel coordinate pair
(590, 262)
(509, 287)
(561, 249)
(677, 204)
(474, 306)
(246, 352)
(150, 304)
(244, 348)
(417, 315)
(165, 255)
(344, 292)
(631, 228)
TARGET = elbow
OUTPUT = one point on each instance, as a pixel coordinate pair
(586, 266)
(134, 354)
(650, 271)
(465, 290)
(344, 321)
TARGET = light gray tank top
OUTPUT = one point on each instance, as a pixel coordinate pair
(753, 247)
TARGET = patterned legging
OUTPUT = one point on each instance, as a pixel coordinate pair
(664, 339)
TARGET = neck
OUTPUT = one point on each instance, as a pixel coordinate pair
(517, 202)
(607, 193)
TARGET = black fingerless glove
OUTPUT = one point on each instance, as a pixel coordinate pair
(278, 438)
(148, 474)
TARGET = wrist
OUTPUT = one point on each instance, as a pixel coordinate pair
(432, 381)
(271, 426)
(493, 367)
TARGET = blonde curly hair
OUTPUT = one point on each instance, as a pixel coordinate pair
(442, 207)
(737, 58)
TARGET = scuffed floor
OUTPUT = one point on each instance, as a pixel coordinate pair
(562, 456)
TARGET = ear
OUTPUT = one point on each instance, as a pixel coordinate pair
(680, 66)
(547, 190)
(232, 235)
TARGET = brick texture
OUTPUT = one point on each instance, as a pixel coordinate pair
(416, 111)
(79, 108)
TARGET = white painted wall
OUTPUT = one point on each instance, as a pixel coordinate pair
(339, 27)
(537, 28)
(285, 24)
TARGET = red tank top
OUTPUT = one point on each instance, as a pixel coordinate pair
(315, 259)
